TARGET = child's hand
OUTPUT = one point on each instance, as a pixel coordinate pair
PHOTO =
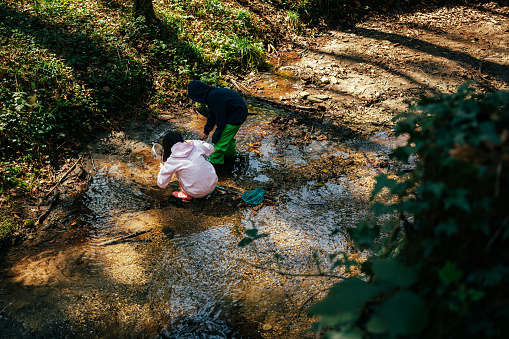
(161, 165)
(203, 136)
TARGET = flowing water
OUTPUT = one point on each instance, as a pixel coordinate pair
(183, 275)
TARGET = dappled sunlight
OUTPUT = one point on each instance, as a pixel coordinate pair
(48, 268)
(306, 224)
(120, 257)
(124, 264)
(149, 254)
(141, 169)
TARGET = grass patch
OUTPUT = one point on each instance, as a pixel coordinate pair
(6, 228)
(71, 68)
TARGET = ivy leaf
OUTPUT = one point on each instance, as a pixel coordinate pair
(403, 153)
(394, 272)
(383, 181)
(347, 333)
(459, 199)
(405, 314)
(488, 133)
(376, 325)
(449, 227)
(339, 319)
(251, 232)
(381, 209)
(436, 188)
(364, 234)
(450, 273)
(346, 296)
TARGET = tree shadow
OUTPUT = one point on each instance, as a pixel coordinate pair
(91, 60)
(496, 70)
(482, 7)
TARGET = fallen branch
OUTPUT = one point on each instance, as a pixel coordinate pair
(280, 272)
(63, 177)
(45, 213)
(287, 105)
(120, 239)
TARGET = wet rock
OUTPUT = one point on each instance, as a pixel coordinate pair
(322, 96)
(313, 98)
(304, 94)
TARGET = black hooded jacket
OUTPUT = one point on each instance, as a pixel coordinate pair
(225, 106)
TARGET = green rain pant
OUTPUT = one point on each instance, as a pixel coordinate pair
(226, 146)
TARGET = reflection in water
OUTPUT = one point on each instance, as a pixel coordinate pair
(107, 196)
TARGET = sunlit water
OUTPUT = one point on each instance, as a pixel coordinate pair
(199, 282)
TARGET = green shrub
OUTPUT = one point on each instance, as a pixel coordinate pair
(63, 74)
(222, 36)
(70, 67)
(5, 229)
(440, 267)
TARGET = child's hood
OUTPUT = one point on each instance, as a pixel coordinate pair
(198, 91)
(182, 149)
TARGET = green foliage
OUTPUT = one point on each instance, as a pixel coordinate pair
(440, 265)
(315, 11)
(70, 67)
(62, 76)
(5, 228)
(293, 20)
(221, 35)
(14, 175)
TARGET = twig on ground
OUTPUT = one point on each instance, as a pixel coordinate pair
(301, 307)
(45, 213)
(63, 177)
(92, 159)
(122, 238)
(246, 92)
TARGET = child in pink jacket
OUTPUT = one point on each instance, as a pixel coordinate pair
(197, 177)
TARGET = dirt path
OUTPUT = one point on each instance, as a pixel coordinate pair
(367, 73)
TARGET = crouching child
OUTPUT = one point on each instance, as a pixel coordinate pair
(186, 159)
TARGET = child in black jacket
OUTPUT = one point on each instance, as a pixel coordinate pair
(227, 112)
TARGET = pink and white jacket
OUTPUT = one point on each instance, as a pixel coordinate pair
(196, 175)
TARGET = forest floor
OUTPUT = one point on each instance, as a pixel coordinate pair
(336, 84)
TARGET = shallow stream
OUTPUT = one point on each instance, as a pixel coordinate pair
(181, 274)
